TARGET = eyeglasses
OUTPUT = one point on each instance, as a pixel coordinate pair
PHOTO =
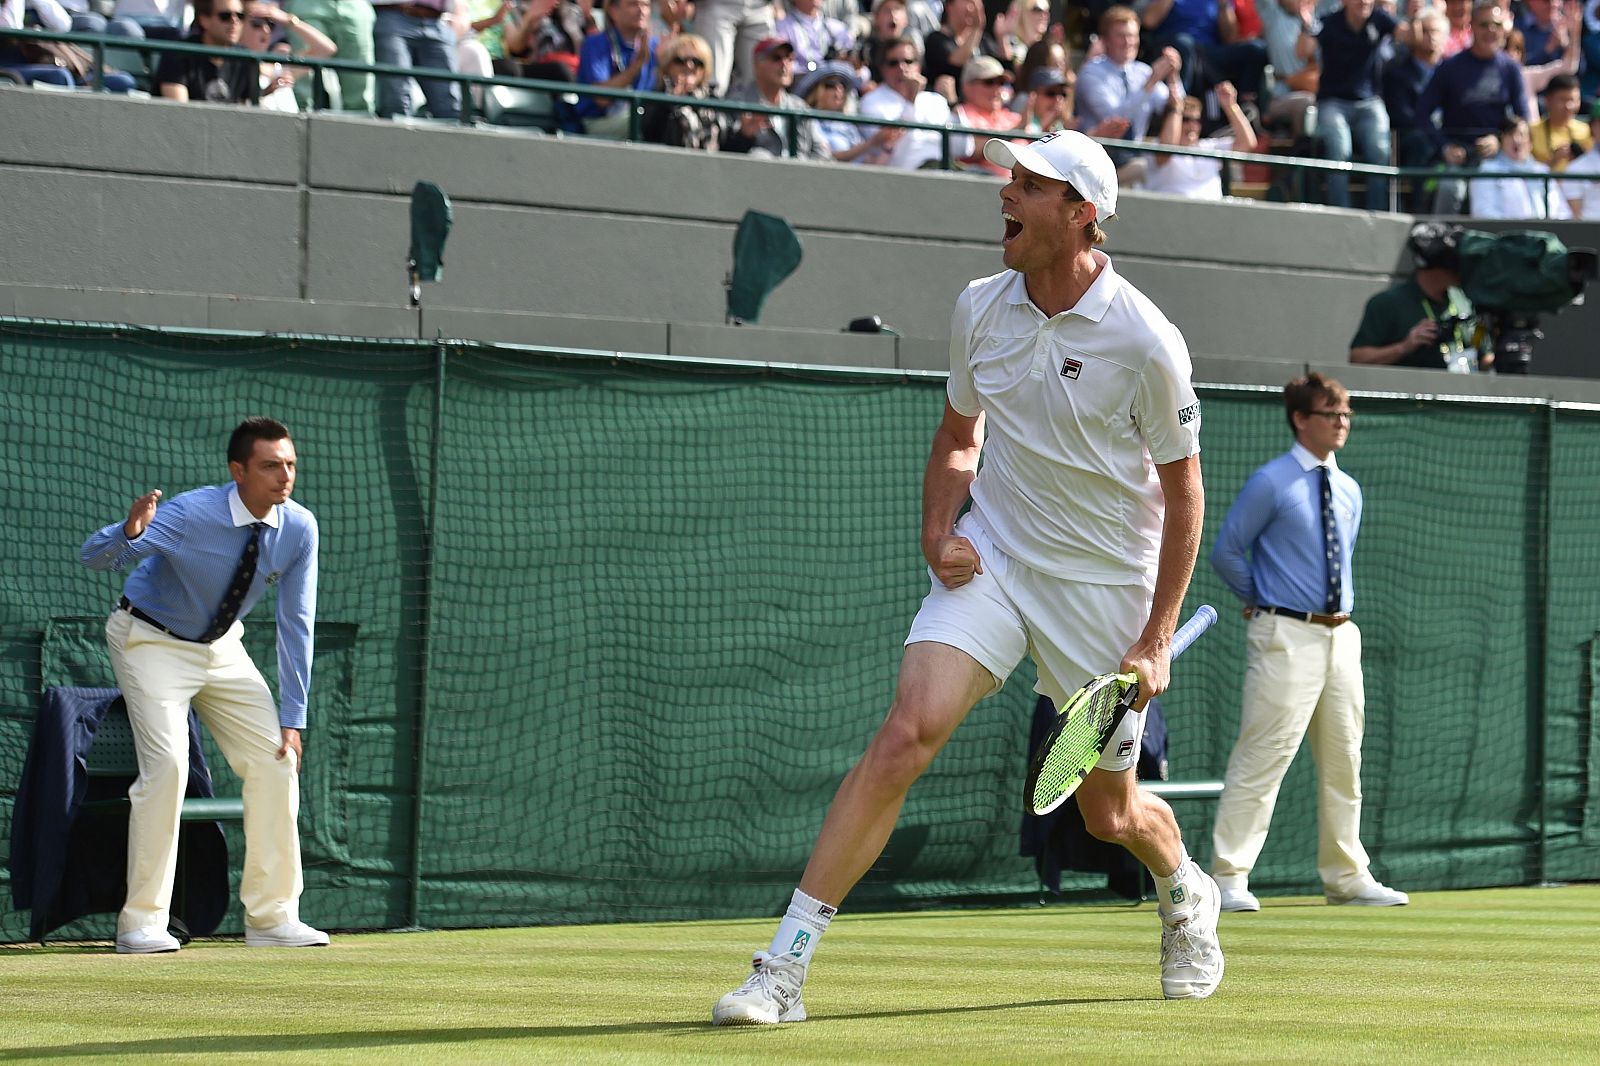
(1335, 416)
(228, 16)
(261, 24)
(1057, 93)
(691, 62)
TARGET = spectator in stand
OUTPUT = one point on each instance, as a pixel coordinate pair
(349, 26)
(684, 69)
(264, 21)
(1050, 101)
(831, 88)
(202, 78)
(545, 39)
(983, 106)
(1048, 54)
(1590, 20)
(816, 37)
(622, 56)
(1296, 77)
(958, 40)
(889, 23)
(1516, 197)
(1459, 15)
(162, 19)
(1403, 79)
(1568, 32)
(904, 96)
(1472, 91)
(1206, 36)
(1540, 23)
(1118, 95)
(1560, 137)
(1352, 124)
(1198, 177)
(733, 28)
(1029, 22)
(78, 18)
(1583, 197)
(768, 135)
(670, 18)
(54, 62)
(415, 34)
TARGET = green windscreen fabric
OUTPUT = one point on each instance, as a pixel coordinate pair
(598, 639)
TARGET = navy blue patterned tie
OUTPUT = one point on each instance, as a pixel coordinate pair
(243, 574)
(1330, 542)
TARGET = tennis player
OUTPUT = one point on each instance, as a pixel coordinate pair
(1078, 548)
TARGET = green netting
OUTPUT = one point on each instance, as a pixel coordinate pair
(642, 617)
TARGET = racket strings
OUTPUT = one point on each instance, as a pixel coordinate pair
(1087, 721)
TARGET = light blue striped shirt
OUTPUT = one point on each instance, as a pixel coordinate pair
(187, 556)
(1270, 550)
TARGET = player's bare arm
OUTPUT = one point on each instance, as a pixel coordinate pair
(1151, 655)
(946, 485)
(140, 514)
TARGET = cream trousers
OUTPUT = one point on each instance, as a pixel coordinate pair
(1302, 679)
(160, 676)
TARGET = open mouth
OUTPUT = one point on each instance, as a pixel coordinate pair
(1013, 227)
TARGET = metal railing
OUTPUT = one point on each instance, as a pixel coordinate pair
(1302, 171)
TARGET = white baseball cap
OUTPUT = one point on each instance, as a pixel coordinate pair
(1065, 156)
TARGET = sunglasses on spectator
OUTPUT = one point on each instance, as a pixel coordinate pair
(996, 82)
(689, 61)
(902, 61)
(261, 24)
(1058, 93)
(228, 16)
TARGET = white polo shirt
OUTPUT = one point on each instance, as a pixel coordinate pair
(1081, 408)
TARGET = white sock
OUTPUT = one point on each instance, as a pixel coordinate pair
(1172, 891)
(802, 927)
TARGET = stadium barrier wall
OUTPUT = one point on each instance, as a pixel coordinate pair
(208, 216)
(598, 635)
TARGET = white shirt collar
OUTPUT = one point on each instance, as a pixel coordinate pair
(241, 513)
(1309, 462)
(1094, 302)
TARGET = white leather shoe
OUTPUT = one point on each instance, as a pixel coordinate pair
(287, 935)
(1371, 895)
(1239, 899)
(146, 942)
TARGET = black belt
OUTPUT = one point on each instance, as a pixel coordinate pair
(1306, 616)
(126, 605)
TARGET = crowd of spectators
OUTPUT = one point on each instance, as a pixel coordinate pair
(1505, 87)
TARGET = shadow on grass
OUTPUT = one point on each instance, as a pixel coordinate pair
(286, 1043)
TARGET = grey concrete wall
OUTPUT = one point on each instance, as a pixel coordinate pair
(196, 215)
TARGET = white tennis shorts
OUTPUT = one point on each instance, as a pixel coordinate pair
(1072, 630)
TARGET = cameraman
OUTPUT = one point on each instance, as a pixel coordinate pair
(1427, 321)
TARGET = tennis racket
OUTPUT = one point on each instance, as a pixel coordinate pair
(1083, 727)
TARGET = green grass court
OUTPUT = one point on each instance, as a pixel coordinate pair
(1500, 975)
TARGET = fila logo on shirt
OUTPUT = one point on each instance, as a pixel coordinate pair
(1071, 368)
(1125, 749)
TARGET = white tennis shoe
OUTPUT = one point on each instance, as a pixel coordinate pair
(1369, 895)
(1191, 955)
(771, 994)
(1239, 899)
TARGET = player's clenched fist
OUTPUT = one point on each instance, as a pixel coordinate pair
(954, 561)
(139, 515)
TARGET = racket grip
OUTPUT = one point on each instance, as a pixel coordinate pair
(1198, 623)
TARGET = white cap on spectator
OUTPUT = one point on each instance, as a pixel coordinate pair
(982, 68)
(1065, 156)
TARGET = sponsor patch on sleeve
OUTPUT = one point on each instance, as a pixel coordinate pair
(1189, 414)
